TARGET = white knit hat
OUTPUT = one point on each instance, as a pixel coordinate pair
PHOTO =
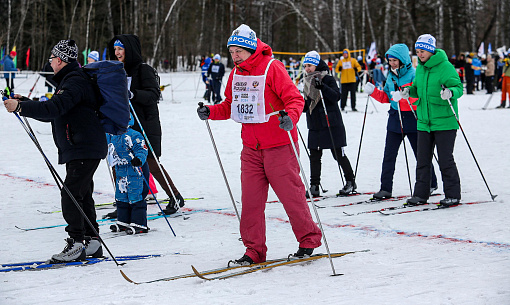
(243, 37)
(426, 42)
(94, 55)
(217, 57)
(313, 58)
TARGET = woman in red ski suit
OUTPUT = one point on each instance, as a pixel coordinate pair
(267, 157)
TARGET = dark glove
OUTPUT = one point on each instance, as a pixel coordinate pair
(136, 162)
(286, 123)
(317, 83)
(203, 112)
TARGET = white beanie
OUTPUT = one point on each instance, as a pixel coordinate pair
(217, 57)
(313, 58)
(243, 37)
(426, 42)
(94, 55)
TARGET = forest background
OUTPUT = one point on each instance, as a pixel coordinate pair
(175, 33)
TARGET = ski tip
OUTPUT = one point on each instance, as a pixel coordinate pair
(198, 274)
(127, 278)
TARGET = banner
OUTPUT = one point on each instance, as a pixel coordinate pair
(15, 57)
(27, 61)
(489, 49)
(372, 52)
(481, 49)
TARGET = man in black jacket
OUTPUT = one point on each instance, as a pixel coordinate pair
(81, 144)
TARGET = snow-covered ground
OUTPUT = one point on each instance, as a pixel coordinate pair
(455, 256)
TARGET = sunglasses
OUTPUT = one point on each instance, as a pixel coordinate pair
(51, 59)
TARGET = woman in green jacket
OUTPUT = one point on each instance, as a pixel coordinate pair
(436, 85)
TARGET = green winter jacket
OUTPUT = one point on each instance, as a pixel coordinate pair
(433, 112)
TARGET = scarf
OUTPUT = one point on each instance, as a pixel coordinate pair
(310, 91)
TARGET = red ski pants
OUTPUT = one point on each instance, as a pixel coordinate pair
(505, 89)
(279, 168)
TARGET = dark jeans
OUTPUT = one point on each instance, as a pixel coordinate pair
(488, 83)
(79, 174)
(391, 148)
(11, 85)
(216, 87)
(132, 213)
(346, 88)
(444, 141)
(315, 165)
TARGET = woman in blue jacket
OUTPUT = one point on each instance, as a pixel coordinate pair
(400, 75)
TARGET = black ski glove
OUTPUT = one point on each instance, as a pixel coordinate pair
(318, 83)
(136, 162)
(203, 112)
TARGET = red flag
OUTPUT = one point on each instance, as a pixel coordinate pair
(28, 57)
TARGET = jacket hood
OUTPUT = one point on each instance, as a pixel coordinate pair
(401, 52)
(322, 66)
(262, 50)
(133, 50)
(348, 53)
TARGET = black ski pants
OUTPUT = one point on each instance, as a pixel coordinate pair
(315, 165)
(79, 175)
(444, 141)
(216, 88)
(391, 148)
(346, 88)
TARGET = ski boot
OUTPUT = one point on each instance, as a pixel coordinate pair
(73, 251)
(243, 261)
(93, 247)
(413, 201)
(448, 202)
(348, 189)
(136, 229)
(301, 253)
(382, 195)
(314, 189)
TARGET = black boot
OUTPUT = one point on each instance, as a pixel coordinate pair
(172, 207)
(314, 188)
(243, 261)
(303, 252)
(415, 201)
(349, 188)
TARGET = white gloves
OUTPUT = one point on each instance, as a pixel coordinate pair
(396, 96)
(369, 88)
(446, 94)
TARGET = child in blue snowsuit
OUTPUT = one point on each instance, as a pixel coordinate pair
(128, 154)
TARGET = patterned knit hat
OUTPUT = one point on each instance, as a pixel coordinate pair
(243, 37)
(67, 50)
(426, 42)
(313, 58)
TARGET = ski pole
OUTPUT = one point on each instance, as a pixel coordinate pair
(30, 93)
(330, 135)
(153, 153)
(59, 180)
(405, 150)
(201, 104)
(488, 101)
(308, 154)
(471, 150)
(361, 137)
(282, 114)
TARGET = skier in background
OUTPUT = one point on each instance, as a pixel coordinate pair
(215, 76)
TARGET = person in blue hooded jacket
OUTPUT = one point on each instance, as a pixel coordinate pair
(128, 154)
(208, 89)
(10, 66)
(401, 75)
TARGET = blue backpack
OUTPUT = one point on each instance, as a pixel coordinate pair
(110, 82)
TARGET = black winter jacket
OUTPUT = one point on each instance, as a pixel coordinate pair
(145, 87)
(318, 134)
(77, 132)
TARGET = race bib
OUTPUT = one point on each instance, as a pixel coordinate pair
(215, 69)
(346, 65)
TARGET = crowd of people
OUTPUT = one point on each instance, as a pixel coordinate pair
(261, 94)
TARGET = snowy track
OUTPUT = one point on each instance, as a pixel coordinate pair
(452, 256)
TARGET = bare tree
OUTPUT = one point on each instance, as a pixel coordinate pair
(88, 26)
(72, 19)
(156, 44)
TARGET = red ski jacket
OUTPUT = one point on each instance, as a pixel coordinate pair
(280, 94)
